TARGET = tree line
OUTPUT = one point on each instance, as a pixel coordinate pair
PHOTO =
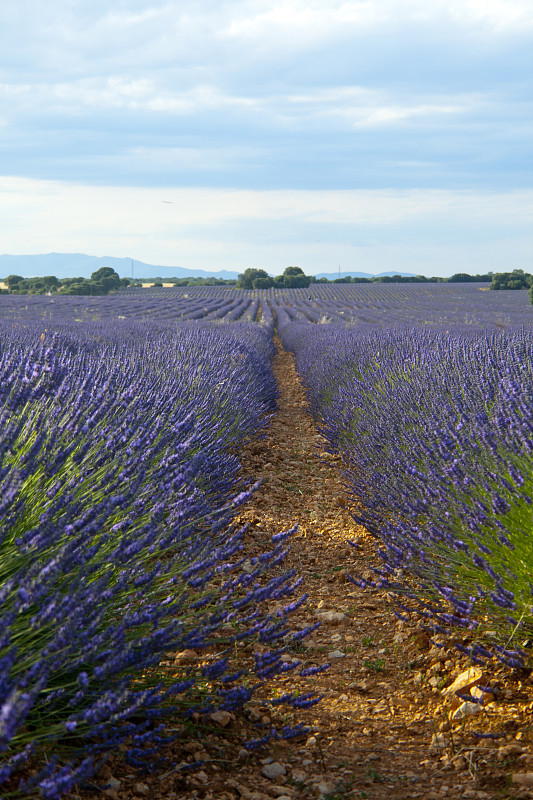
(294, 277)
(105, 280)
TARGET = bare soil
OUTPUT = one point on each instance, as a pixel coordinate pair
(384, 728)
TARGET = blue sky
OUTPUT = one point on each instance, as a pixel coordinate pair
(378, 135)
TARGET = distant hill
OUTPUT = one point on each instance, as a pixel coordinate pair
(331, 276)
(70, 265)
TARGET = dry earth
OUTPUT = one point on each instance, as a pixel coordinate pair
(385, 727)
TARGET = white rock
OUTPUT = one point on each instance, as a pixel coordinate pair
(507, 750)
(483, 697)
(336, 654)
(523, 778)
(466, 710)
(222, 718)
(185, 656)
(324, 788)
(465, 680)
(299, 775)
(333, 617)
(273, 771)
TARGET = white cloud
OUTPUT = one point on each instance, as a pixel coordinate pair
(112, 92)
(262, 93)
(116, 92)
(304, 24)
(61, 203)
(388, 115)
(230, 228)
(200, 98)
(210, 159)
(96, 37)
(501, 15)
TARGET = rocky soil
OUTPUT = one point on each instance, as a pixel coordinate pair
(390, 724)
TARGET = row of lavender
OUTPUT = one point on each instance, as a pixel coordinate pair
(435, 429)
(446, 306)
(165, 305)
(118, 482)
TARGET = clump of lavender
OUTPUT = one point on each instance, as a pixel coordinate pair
(118, 482)
(435, 430)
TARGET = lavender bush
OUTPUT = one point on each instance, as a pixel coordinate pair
(436, 433)
(118, 481)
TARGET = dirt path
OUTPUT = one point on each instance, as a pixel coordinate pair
(374, 728)
(383, 728)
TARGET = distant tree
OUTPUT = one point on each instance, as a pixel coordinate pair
(44, 285)
(102, 281)
(262, 283)
(68, 281)
(35, 286)
(463, 277)
(83, 287)
(107, 277)
(296, 281)
(246, 279)
(50, 281)
(295, 278)
(517, 279)
(103, 272)
(404, 279)
(12, 280)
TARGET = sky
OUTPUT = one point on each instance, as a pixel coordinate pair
(372, 136)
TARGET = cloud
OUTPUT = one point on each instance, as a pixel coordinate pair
(271, 117)
(208, 228)
(116, 92)
(323, 19)
(499, 14)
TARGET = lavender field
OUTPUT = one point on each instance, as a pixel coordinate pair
(461, 306)
(119, 482)
(429, 406)
(121, 423)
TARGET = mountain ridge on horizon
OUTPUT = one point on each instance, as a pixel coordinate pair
(68, 265)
